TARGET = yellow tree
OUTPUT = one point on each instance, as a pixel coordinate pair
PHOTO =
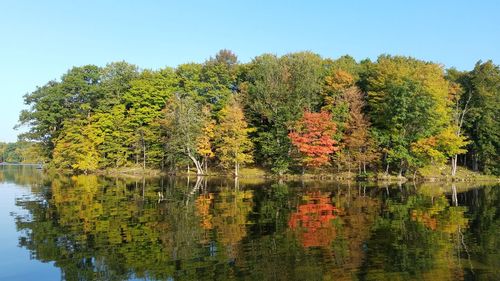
(334, 98)
(76, 149)
(204, 141)
(440, 147)
(234, 147)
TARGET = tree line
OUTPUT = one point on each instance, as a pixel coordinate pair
(20, 152)
(287, 114)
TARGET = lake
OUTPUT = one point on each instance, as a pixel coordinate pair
(97, 228)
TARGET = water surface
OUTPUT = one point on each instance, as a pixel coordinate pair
(96, 228)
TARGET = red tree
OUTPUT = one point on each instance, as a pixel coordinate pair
(313, 137)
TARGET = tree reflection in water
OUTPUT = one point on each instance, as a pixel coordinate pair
(314, 219)
(97, 228)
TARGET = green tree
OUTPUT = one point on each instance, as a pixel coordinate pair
(21, 151)
(183, 120)
(75, 96)
(115, 81)
(408, 99)
(278, 91)
(219, 77)
(482, 126)
(144, 102)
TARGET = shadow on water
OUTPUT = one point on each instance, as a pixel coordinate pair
(97, 228)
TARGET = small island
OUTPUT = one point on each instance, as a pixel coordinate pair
(250, 140)
(296, 115)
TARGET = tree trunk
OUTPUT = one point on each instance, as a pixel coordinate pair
(236, 184)
(199, 167)
(454, 161)
(143, 152)
(236, 169)
(460, 123)
(205, 164)
(475, 165)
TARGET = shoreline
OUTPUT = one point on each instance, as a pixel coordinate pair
(464, 175)
(261, 174)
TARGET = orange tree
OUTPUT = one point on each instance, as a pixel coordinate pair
(313, 137)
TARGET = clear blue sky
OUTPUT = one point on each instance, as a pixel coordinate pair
(40, 40)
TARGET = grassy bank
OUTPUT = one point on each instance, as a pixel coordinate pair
(443, 173)
(426, 174)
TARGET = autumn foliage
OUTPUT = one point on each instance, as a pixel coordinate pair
(313, 220)
(313, 137)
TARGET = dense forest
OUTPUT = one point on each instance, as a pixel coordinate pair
(287, 114)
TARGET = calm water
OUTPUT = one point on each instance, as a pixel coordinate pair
(93, 228)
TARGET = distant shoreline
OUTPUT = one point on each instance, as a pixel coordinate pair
(19, 164)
